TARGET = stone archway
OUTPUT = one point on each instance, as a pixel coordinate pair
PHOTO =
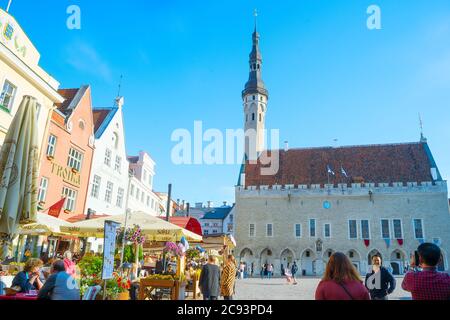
(307, 262)
(327, 255)
(287, 257)
(246, 255)
(266, 257)
(398, 261)
(355, 258)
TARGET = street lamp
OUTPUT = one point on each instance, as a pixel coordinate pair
(127, 212)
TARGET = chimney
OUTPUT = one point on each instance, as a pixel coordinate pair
(225, 203)
(210, 204)
(286, 146)
(188, 207)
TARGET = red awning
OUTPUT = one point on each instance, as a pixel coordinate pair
(187, 223)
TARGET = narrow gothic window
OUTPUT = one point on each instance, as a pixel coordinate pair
(246, 117)
(253, 117)
(253, 97)
(260, 117)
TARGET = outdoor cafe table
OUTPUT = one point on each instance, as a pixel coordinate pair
(20, 296)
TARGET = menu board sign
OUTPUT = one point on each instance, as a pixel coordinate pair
(109, 247)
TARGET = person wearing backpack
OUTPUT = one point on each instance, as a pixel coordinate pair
(341, 281)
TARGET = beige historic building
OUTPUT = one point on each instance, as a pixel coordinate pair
(360, 200)
(20, 74)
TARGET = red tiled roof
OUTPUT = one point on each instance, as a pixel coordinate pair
(372, 163)
(68, 94)
(99, 116)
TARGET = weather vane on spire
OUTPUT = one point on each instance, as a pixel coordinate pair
(255, 14)
(422, 137)
(120, 85)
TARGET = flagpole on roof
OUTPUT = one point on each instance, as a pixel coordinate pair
(9, 5)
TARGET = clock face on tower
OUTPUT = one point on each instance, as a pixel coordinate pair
(326, 204)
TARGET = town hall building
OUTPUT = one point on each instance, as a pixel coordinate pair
(359, 200)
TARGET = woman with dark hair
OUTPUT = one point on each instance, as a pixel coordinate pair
(341, 281)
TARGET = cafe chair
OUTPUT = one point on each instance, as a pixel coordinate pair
(91, 293)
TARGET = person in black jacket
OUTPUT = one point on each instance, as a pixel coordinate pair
(380, 281)
(209, 281)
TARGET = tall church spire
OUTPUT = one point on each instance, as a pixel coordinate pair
(255, 96)
(255, 84)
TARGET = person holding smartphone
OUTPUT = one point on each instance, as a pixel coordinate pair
(29, 278)
(427, 284)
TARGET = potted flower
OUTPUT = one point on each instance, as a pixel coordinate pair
(123, 287)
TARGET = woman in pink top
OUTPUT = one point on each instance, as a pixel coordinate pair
(341, 281)
(68, 263)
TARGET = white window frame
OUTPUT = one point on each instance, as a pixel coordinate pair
(250, 229)
(295, 230)
(368, 228)
(118, 164)
(42, 193)
(324, 234)
(71, 199)
(51, 145)
(389, 228)
(75, 159)
(95, 189)
(414, 228)
(401, 228)
(109, 191)
(10, 105)
(120, 196)
(315, 227)
(267, 230)
(356, 229)
(108, 155)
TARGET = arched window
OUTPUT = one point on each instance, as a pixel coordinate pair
(253, 117)
(260, 117)
(115, 140)
(81, 124)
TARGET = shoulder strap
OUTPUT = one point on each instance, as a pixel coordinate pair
(346, 291)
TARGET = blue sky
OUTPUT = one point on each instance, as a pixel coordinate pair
(328, 75)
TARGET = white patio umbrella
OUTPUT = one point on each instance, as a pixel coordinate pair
(45, 225)
(155, 229)
(19, 163)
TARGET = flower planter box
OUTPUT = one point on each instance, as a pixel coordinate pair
(124, 296)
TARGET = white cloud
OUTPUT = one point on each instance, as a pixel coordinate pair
(85, 58)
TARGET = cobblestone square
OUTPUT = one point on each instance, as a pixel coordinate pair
(278, 289)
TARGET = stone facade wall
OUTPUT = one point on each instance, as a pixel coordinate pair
(285, 206)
